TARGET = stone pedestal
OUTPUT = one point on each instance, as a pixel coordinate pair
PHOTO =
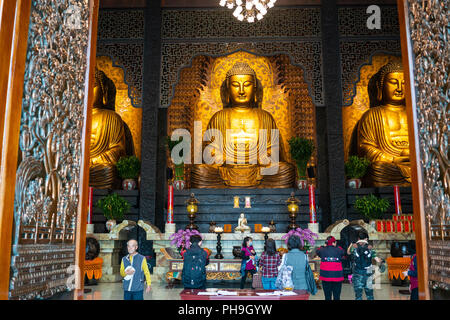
(110, 253)
(170, 228)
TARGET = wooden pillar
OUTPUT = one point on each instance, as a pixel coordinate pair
(7, 12)
(80, 249)
(10, 141)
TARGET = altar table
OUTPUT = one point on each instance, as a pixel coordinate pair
(242, 294)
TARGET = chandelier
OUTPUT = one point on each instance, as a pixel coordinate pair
(248, 9)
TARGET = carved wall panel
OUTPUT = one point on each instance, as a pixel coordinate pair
(121, 37)
(354, 54)
(353, 21)
(429, 30)
(297, 32)
(130, 57)
(307, 55)
(213, 24)
(47, 179)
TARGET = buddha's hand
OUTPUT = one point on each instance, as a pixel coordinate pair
(405, 153)
(401, 159)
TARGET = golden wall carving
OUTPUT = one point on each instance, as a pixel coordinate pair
(361, 103)
(130, 115)
(286, 95)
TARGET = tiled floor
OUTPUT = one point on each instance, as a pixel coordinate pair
(113, 291)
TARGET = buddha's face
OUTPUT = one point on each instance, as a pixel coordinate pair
(394, 88)
(242, 90)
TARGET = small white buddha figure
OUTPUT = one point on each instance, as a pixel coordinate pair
(242, 225)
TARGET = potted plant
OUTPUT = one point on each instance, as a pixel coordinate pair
(306, 237)
(355, 169)
(128, 169)
(301, 151)
(371, 207)
(113, 207)
(179, 182)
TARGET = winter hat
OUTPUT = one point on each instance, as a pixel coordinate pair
(330, 241)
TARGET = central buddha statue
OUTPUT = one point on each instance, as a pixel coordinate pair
(241, 159)
(383, 129)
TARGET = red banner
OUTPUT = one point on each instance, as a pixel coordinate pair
(398, 205)
(312, 204)
(170, 204)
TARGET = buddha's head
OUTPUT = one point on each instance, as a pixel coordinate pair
(241, 87)
(389, 84)
(104, 91)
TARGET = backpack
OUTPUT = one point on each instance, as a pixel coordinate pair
(194, 271)
(362, 259)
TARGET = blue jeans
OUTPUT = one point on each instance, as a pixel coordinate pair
(363, 282)
(133, 295)
(269, 283)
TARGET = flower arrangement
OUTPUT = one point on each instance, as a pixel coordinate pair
(306, 237)
(181, 238)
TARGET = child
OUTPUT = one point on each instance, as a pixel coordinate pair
(362, 254)
(194, 266)
(248, 260)
(269, 262)
(134, 270)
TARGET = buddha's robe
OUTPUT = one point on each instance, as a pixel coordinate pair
(107, 146)
(379, 142)
(241, 167)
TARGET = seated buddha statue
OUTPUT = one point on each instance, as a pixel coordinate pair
(108, 142)
(383, 129)
(249, 140)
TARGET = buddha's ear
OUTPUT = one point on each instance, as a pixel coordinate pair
(379, 94)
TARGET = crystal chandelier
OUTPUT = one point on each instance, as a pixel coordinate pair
(248, 9)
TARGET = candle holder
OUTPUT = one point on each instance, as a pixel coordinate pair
(219, 246)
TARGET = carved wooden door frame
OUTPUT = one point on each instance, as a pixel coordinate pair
(10, 109)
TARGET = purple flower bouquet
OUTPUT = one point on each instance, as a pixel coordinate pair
(306, 237)
(181, 238)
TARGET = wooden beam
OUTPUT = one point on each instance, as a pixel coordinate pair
(80, 248)
(7, 12)
(414, 143)
(13, 112)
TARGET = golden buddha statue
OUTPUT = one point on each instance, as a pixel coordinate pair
(242, 158)
(108, 141)
(383, 129)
